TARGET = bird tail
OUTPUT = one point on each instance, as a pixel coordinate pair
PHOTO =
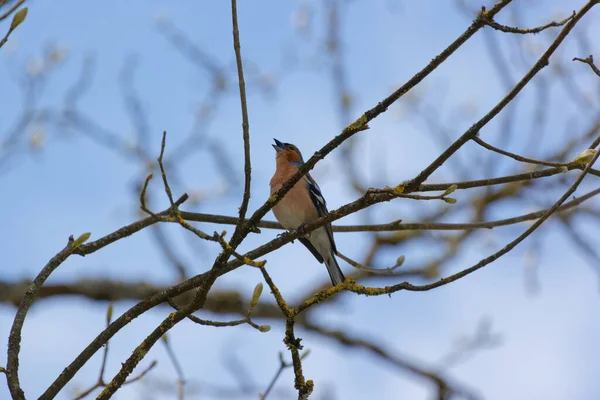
(335, 273)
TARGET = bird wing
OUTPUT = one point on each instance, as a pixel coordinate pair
(312, 249)
(321, 205)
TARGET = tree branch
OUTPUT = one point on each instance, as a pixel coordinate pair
(245, 124)
(509, 29)
(14, 339)
(589, 61)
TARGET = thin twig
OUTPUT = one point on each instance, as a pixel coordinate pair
(509, 29)
(219, 324)
(100, 383)
(162, 168)
(11, 10)
(382, 271)
(176, 365)
(143, 197)
(589, 61)
(245, 124)
(141, 374)
(283, 365)
(517, 157)
(304, 387)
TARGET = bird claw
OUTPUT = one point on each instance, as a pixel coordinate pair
(281, 234)
(302, 230)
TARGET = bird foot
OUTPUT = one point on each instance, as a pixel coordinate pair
(281, 234)
(302, 230)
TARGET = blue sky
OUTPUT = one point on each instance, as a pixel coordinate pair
(74, 185)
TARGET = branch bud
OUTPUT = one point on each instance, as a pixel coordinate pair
(585, 157)
(18, 18)
(109, 313)
(451, 189)
(256, 295)
(81, 240)
(400, 261)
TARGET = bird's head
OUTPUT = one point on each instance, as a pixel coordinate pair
(287, 152)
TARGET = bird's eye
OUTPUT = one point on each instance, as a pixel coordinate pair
(292, 148)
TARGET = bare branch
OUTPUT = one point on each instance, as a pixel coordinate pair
(176, 365)
(283, 365)
(509, 29)
(14, 339)
(589, 61)
(245, 124)
(162, 170)
(11, 10)
(386, 271)
(517, 157)
(100, 383)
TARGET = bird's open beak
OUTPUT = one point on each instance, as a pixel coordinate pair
(278, 146)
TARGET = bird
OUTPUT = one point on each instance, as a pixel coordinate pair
(302, 204)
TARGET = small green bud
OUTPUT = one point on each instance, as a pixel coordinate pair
(81, 240)
(18, 18)
(450, 200)
(264, 328)
(564, 169)
(256, 294)
(400, 261)
(109, 313)
(586, 156)
(451, 189)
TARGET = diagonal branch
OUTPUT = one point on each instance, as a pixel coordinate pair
(11, 10)
(517, 157)
(542, 62)
(14, 339)
(509, 29)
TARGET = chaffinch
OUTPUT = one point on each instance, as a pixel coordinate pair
(302, 204)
